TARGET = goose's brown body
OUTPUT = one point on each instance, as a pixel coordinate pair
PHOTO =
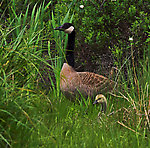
(73, 83)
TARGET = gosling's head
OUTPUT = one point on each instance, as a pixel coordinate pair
(66, 27)
(102, 100)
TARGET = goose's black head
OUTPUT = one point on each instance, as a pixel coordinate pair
(66, 27)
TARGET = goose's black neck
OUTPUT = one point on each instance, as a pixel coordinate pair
(70, 49)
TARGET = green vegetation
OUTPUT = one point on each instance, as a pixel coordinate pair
(34, 113)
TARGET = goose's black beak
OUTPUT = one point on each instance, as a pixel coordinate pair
(59, 28)
(95, 102)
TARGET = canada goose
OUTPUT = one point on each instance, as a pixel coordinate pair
(102, 100)
(76, 83)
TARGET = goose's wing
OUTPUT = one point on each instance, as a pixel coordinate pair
(94, 83)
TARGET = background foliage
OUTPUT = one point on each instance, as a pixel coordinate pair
(104, 28)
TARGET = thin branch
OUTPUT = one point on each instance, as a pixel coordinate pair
(100, 5)
(128, 127)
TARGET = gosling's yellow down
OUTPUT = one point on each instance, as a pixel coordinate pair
(102, 100)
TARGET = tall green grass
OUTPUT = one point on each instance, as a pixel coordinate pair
(31, 117)
(21, 43)
(136, 99)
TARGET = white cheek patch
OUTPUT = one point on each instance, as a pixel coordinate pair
(69, 30)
